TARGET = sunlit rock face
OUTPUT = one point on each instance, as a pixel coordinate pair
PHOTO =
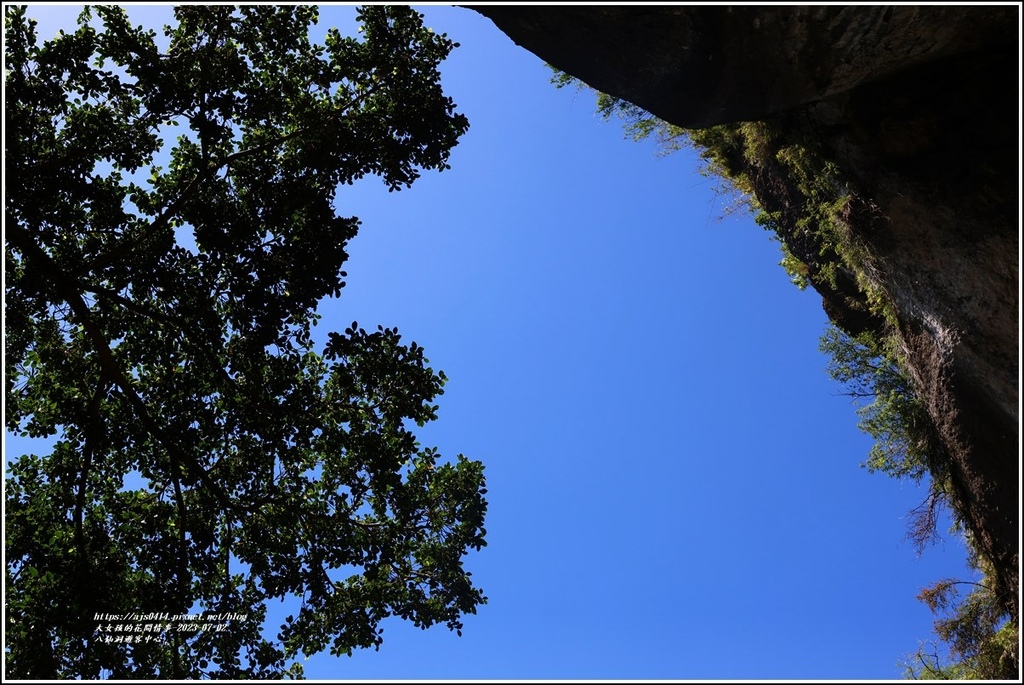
(918, 106)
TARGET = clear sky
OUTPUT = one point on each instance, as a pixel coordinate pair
(674, 480)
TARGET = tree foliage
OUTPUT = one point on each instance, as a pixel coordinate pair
(160, 301)
(889, 409)
(980, 643)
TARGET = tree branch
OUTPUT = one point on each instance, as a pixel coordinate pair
(183, 556)
(65, 287)
(133, 306)
(172, 209)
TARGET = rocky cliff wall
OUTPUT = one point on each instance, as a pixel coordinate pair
(918, 107)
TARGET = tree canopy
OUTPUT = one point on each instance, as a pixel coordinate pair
(161, 292)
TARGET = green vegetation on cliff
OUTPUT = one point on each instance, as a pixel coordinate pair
(776, 170)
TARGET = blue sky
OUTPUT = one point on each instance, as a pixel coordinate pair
(674, 480)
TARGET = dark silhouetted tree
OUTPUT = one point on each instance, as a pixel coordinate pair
(160, 298)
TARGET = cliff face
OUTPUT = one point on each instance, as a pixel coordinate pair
(917, 106)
